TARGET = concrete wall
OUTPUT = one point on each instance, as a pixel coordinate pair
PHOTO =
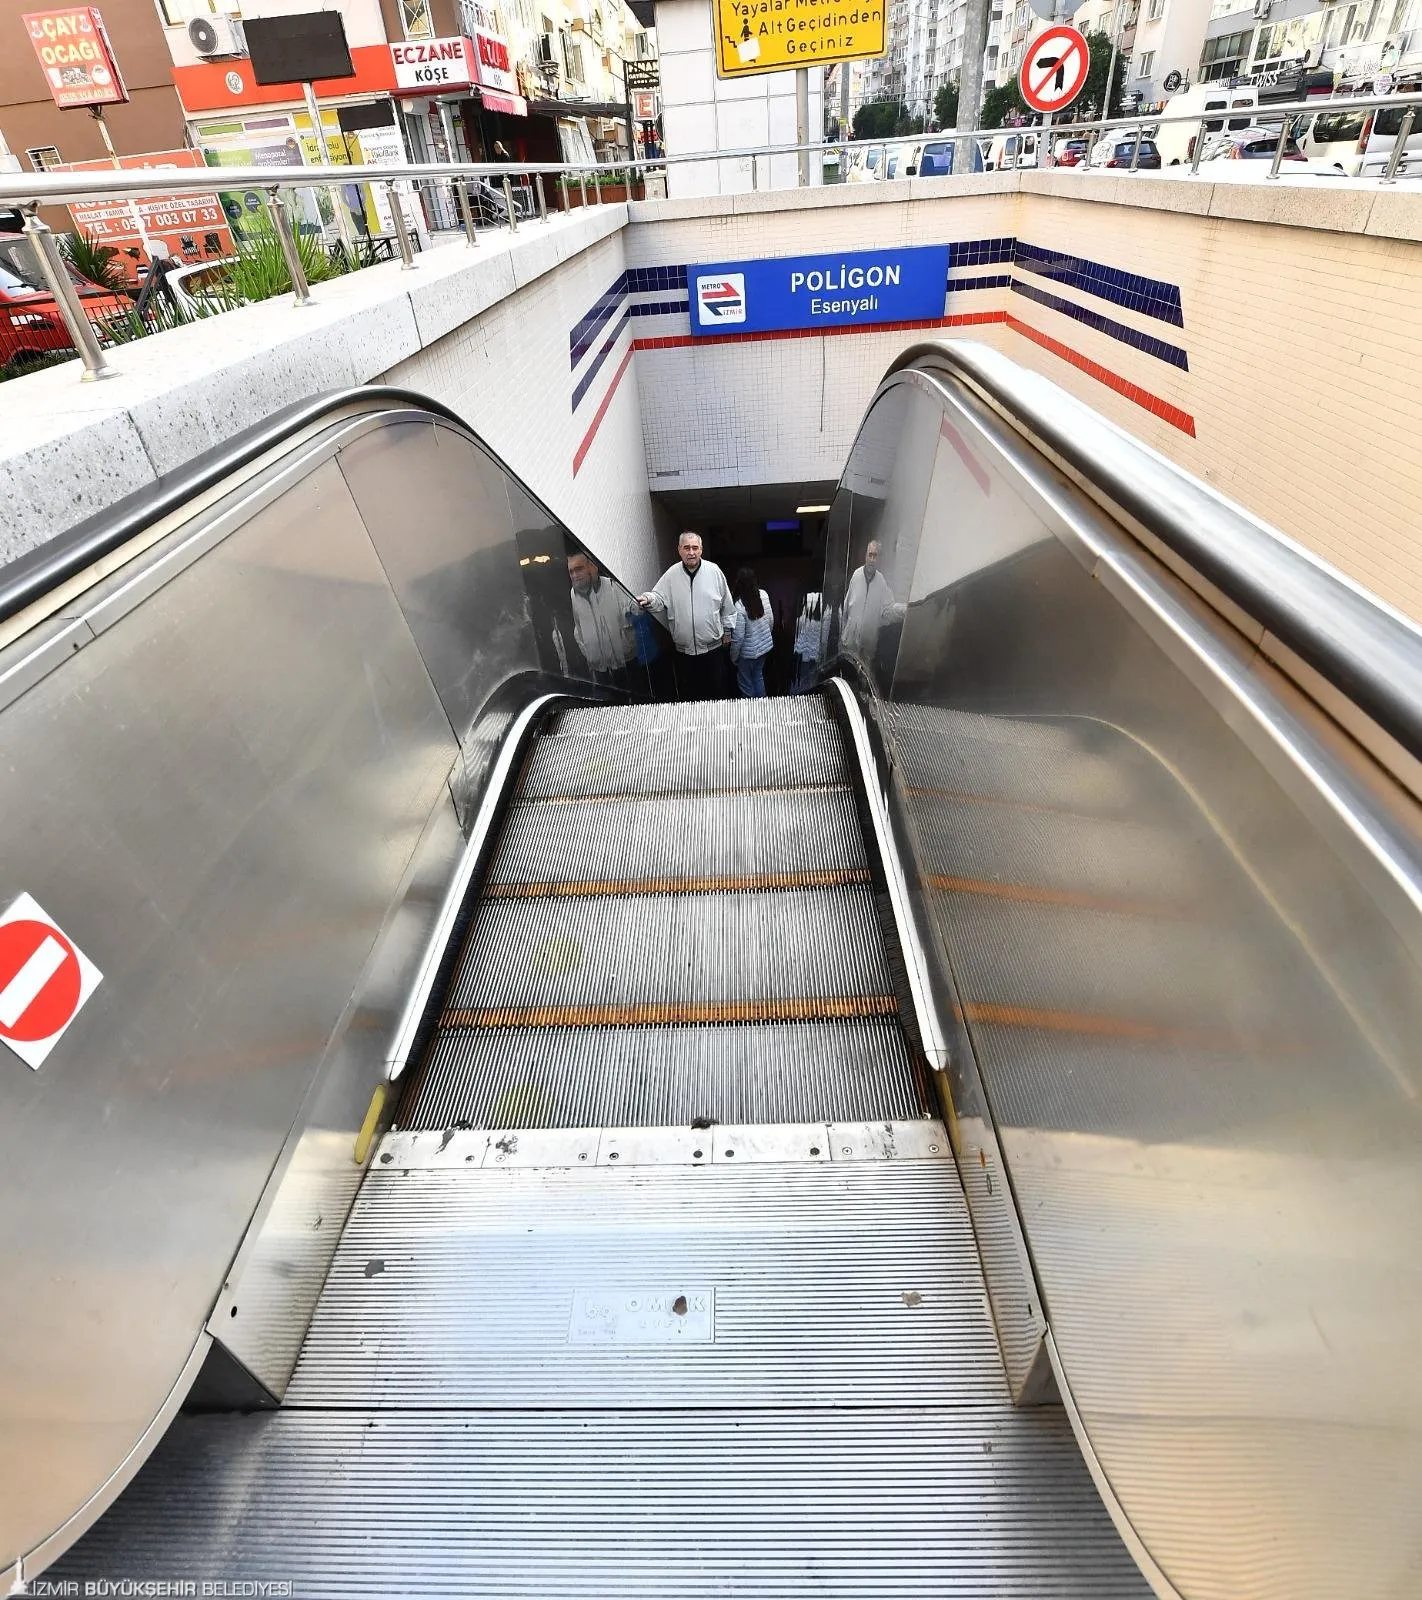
(1265, 336)
(488, 331)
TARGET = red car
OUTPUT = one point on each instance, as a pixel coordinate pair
(30, 324)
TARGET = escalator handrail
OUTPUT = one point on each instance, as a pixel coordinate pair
(35, 574)
(1369, 652)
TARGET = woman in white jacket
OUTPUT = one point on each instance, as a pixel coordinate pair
(752, 634)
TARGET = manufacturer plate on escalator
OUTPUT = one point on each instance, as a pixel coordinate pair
(657, 1316)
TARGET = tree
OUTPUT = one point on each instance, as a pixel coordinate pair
(945, 105)
(1002, 101)
(1090, 103)
(879, 119)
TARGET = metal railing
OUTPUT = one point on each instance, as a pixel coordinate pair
(487, 192)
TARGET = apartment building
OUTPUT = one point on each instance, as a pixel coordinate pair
(1292, 44)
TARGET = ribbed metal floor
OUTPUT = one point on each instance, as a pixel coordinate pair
(854, 1070)
(844, 1430)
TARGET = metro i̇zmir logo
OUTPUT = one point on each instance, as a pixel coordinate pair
(723, 298)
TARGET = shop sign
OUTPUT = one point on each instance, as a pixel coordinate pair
(496, 70)
(76, 56)
(645, 106)
(642, 74)
(189, 227)
(433, 65)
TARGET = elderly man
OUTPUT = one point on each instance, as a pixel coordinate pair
(694, 600)
(868, 605)
(601, 625)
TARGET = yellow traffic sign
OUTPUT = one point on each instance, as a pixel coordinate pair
(769, 35)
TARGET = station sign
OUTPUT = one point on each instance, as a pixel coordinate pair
(433, 65)
(45, 981)
(859, 289)
(755, 36)
(74, 52)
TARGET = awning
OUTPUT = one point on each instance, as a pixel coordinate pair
(613, 110)
(512, 105)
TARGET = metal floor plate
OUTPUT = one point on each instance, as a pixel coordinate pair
(854, 1070)
(670, 716)
(845, 1431)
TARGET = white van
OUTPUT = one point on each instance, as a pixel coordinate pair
(1359, 143)
(1016, 149)
(1176, 140)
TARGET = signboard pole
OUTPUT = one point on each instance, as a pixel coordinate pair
(97, 112)
(338, 200)
(802, 121)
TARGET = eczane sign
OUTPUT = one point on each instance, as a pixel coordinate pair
(433, 64)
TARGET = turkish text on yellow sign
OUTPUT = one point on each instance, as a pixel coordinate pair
(769, 35)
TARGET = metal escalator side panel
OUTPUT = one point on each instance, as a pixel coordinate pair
(1194, 1054)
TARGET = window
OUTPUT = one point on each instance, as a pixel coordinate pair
(573, 59)
(1157, 10)
(644, 47)
(1147, 61)
(1105, 24)
(43, 157)
(416, 20)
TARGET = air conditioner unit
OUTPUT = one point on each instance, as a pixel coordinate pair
(547, 50)
(216, 36)
(1262, 8)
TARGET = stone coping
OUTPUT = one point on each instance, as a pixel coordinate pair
(1349, 205)
(68, 448)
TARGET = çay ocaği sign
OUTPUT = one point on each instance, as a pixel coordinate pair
(76, 56)
(830, 291)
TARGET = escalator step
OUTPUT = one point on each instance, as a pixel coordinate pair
(667, 843)
(764, 955)
(691, 716)
(800, 755)
(852, 1071)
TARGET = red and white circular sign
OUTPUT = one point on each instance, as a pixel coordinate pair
(1054, 70)
(44, 981)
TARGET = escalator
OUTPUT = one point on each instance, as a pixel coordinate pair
(953, 1133)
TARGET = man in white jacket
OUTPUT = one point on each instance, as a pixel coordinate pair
(868, 605)
(694, 600)
(601, 627)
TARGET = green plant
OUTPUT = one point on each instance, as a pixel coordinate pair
(1001, 102)
(259, 268)
(99, 263)
(879, 119)
(945, 105)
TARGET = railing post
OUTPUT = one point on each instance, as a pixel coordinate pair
(402, 231)
(755, 172)
(1199, 149)
(61, 286)
(583, 188)
(466, 211)
(509, 205)
(281, 221)
(542, 201)
(1136, 148)
(1279, 148)
(1404, 132)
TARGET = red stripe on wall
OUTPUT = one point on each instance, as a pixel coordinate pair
(1093, 369)
(606, 401)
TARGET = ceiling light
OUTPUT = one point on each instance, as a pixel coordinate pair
(523, 561)
(542, 560)
(810, 511)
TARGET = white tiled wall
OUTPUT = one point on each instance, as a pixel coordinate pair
(509, 375)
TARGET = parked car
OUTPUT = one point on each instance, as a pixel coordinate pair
(935, 158)
(1258, 143)
(1359, 143)
(1176, 140)
(1072, 152)
(1017, 149)
(31, 326)
(865, 164)
(1119, 150)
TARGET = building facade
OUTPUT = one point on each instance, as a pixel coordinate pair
(40, 135)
